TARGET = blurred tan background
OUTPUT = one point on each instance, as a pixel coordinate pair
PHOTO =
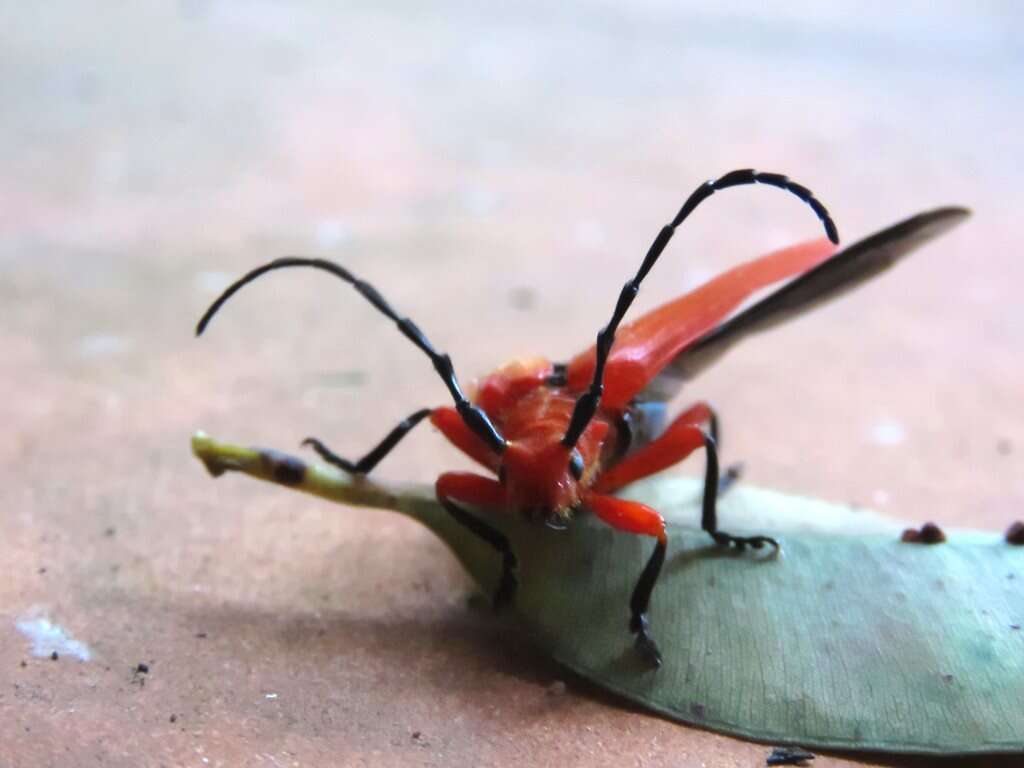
(497, 170)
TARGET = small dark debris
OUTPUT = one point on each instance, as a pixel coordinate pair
(42, 569)
(416, 735)
(109, 531)
(1015, 533)
(1004, 447)
(929, 533)
(1012, 626)
(174, 718)
(789, 756)
(142, 668)
(522, 298)
(947, 678)
(698, 710)
(24, 663)
(201, 635)
(54, 656)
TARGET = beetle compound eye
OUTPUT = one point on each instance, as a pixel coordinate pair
(576, 465)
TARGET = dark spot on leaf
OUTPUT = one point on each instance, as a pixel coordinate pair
(828, 586)
(698, 710)
(939, 584)
(285, 469)
(1012, 626)
(929, 533)
(789, 756)
(947, 678)
(54, 656)
(711, 581)
(1015, 533)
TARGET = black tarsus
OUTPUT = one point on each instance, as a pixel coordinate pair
(508, 583)
(639, 602)
(474, 418)
(373, 457)
(587, 403)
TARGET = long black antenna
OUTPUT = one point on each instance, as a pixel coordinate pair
(474, 418)
(586, 404)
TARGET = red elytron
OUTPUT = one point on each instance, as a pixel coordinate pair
(556, 438)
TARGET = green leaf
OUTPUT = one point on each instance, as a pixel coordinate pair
(850, 639)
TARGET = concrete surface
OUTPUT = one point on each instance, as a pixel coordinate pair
(498, 171)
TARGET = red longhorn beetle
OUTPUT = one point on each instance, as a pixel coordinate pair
(558, 438)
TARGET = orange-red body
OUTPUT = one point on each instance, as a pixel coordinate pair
(534, 473)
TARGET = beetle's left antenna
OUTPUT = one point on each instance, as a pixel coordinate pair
(587, 403)
(473, 417)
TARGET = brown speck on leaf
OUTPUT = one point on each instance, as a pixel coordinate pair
(1015, 533)
(929, 533)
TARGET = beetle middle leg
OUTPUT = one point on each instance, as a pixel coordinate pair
(682, 438)
(479, 491)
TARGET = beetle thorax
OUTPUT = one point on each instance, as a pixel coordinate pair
(537, 479)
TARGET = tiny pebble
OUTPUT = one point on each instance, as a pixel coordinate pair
(54, 656)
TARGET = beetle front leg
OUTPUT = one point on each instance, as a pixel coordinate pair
(634, 517)
(479, 491)
(371, 459)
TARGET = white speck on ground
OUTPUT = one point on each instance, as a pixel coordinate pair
(887, 432)
(47, 637)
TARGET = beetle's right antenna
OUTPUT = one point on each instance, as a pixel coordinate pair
(587, 403)
(474, 418)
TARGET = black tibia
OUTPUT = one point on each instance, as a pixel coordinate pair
(508, 584)
(709, 514)
(639, 602)
(474, 418)
(587, 403)
(371, 459)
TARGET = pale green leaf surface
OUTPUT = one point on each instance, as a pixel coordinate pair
(850, 639)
